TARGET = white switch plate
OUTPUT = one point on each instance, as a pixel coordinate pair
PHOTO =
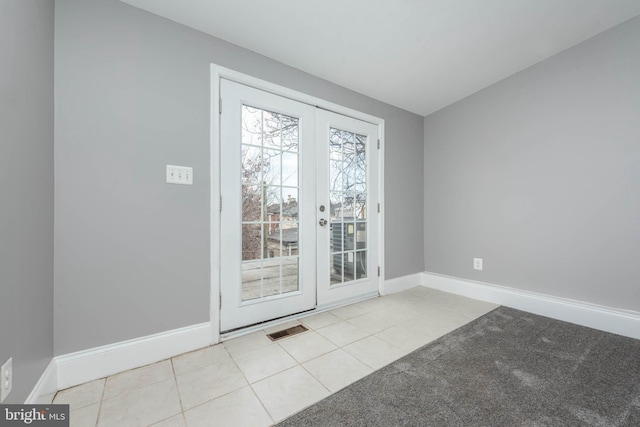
(477, 263)
(179, 175)
(6, 375)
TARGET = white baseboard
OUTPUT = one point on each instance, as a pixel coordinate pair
(46, 387)
(614, 320)
(402, 283)
(87, 365)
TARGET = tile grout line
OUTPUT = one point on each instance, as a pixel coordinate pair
(374, 369)
(104, 387)
(175, 381)
(296, 360)
(317, 379)
(344, 345)
(245, 351)
(207, 366)
(300, 364)
(273, 420)
(250, 386)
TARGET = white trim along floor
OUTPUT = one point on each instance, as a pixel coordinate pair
(252, 381)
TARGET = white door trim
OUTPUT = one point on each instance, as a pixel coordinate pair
(218, 72)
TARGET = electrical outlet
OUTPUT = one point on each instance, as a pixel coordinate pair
(477, 263)
(6, 375)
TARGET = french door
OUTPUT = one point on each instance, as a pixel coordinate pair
(298, 222)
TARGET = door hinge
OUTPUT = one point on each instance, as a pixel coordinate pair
(220, 105)
(378, 144)
(378, 207)
(220, 301)
(378, 271)
(220, 203)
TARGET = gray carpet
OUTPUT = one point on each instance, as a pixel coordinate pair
(507, 368)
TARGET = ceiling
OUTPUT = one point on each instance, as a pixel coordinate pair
(419, 55)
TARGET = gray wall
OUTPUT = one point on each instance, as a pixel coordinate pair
(132, 95)
(540, 176)
(26, 190)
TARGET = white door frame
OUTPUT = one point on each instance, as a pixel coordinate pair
(218, 72)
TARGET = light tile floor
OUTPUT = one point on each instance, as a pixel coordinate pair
(252, 381)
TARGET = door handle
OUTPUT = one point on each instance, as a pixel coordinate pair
(322, 222)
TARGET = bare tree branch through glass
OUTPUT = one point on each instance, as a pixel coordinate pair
(269, 179)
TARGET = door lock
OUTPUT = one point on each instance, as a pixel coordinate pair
(323, 222)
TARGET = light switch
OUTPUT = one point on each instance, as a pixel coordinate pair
(179, 175)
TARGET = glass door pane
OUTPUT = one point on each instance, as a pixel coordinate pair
(269, 203)
(348, 199)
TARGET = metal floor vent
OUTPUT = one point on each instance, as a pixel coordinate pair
(287, 332)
